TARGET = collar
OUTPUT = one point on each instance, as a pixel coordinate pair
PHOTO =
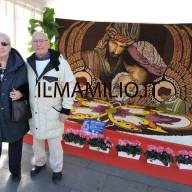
(53, 64)
(46, 57)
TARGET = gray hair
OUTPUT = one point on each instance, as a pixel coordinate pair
(40, 32)
(5, 37)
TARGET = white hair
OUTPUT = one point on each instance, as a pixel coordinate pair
(5, 37)
(40, 32)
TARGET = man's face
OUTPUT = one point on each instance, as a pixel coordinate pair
(116, 48)
(40, 44)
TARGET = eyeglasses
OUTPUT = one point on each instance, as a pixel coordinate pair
(39, 40)
(4, 44)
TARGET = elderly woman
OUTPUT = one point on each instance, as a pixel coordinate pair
(13, 86)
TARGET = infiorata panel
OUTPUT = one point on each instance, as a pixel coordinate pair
(135, 77)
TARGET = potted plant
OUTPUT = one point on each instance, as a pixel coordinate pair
(159, 155)
(184, 159)
(75, 138)
(129, 149)
(99, 143)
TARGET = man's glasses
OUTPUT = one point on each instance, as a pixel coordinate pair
(39, 41)
(4, 44)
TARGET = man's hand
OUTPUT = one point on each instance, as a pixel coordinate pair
(63, 117)
(15, 95)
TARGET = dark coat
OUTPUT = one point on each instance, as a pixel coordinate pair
(15, 76)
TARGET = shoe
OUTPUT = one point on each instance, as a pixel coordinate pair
(16, 177)
(36, 170)
(56, 177)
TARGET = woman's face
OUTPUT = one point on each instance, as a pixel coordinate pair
(138, 74)
(4, 47)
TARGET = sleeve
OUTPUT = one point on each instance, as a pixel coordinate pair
(69, 80)
(23, 88)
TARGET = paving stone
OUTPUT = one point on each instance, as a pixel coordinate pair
(114, 184)
(83, 179)
(137, 177)
(76, 160)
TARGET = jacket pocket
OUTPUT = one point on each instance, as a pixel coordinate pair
(50, 78)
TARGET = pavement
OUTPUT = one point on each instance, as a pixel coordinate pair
(81, 175)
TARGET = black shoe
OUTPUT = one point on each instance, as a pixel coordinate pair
(56, 177)
(16, 177)
(36, 170)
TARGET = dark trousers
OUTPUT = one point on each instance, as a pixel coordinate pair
(15, 153)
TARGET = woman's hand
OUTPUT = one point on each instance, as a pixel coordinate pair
(15, 95)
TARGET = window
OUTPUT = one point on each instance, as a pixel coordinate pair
(14, 21)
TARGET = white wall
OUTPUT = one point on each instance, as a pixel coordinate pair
(15, 14)
(150, 11)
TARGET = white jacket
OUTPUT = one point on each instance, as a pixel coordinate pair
(45, 123)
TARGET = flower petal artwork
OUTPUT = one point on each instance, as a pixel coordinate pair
(129, 118)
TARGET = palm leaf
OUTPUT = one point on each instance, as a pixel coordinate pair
(47, 24)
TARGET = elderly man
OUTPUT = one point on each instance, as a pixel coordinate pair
(46, 69)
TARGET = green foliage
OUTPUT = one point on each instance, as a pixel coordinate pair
(48, 26)
(129, 149)
(71, 137)
(184, 159)
(164, 157)
(101, 143)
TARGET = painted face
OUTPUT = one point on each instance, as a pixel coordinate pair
(138, 74)
(116, 48)
(4, 47)
(40, 44)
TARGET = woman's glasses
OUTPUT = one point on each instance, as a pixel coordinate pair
(4, 44)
